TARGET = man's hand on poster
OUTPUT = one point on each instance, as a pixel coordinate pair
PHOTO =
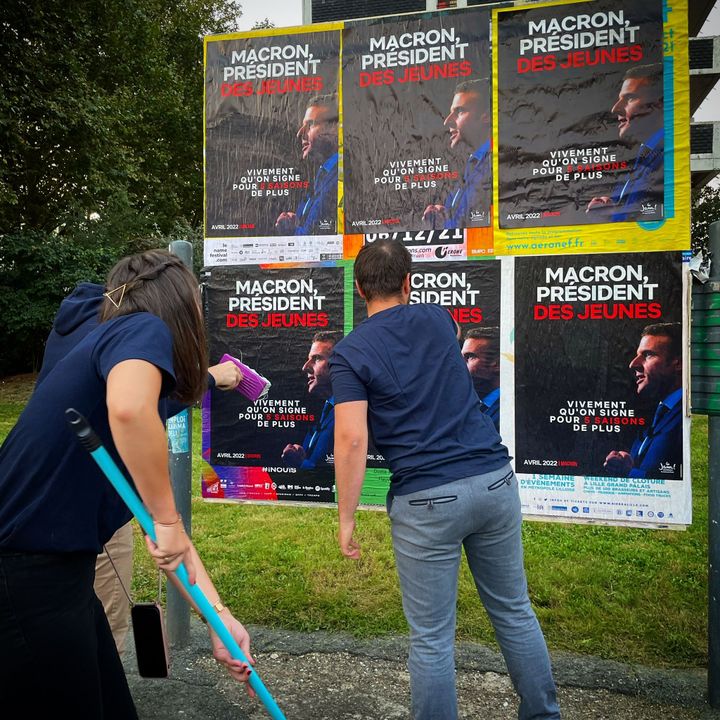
(293, 455)
(286, 224)
(435, 216)
(227, 375)
(619, 462)
(599, 203)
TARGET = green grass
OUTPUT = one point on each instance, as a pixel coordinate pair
(14, 392)
(632, 595)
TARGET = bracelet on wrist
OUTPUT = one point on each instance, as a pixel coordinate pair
(174, 522)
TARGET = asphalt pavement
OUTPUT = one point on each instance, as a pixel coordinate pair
(324, 676)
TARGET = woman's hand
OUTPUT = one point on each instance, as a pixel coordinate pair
(171, 548)
(227, 375)
(238, 670)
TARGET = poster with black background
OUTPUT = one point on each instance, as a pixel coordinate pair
(267, 318)
(578, 141)
(258, 163)
(585, 382)
(470, 290)
(407, 155)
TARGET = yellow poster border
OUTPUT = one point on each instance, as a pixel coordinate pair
(673, 233)
(273, 32)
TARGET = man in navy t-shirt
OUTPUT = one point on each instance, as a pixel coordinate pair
(451, 487)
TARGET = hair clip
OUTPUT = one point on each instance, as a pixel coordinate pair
(110, 293)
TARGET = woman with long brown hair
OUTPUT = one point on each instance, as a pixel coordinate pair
(57, 511)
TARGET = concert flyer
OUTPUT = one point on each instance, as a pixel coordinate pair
(427, 245)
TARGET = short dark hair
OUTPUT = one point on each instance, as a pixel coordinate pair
(329, 101)
(328, 336)
(489, 332)
(381, 268)
(653, 72)
(672, 331)
(477, 85)
(157, 282)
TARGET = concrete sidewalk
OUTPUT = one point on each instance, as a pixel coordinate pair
(322, 676)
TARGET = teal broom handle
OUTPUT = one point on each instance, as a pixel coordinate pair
(91, 442)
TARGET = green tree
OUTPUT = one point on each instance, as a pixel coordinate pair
(36, 270)
(705, 210)
(101, 106)
(263, 25)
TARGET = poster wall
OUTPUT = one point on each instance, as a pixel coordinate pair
(570, 356)
(534, 161)
(572, 120)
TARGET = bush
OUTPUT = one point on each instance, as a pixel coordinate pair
(38, 269)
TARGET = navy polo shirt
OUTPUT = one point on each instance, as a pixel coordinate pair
(53, 497)
(423, 411)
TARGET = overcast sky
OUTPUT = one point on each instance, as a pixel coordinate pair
(285, 13)
(282, 13)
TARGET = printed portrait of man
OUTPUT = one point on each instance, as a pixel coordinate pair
(657, 368)
(481, 352)
(318, 138)
(639, 114)
(469, 126)
(318, 442)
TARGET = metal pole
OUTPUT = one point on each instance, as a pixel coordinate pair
(179, 430)
(714, 517)
(714, 561)
(307, 12)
